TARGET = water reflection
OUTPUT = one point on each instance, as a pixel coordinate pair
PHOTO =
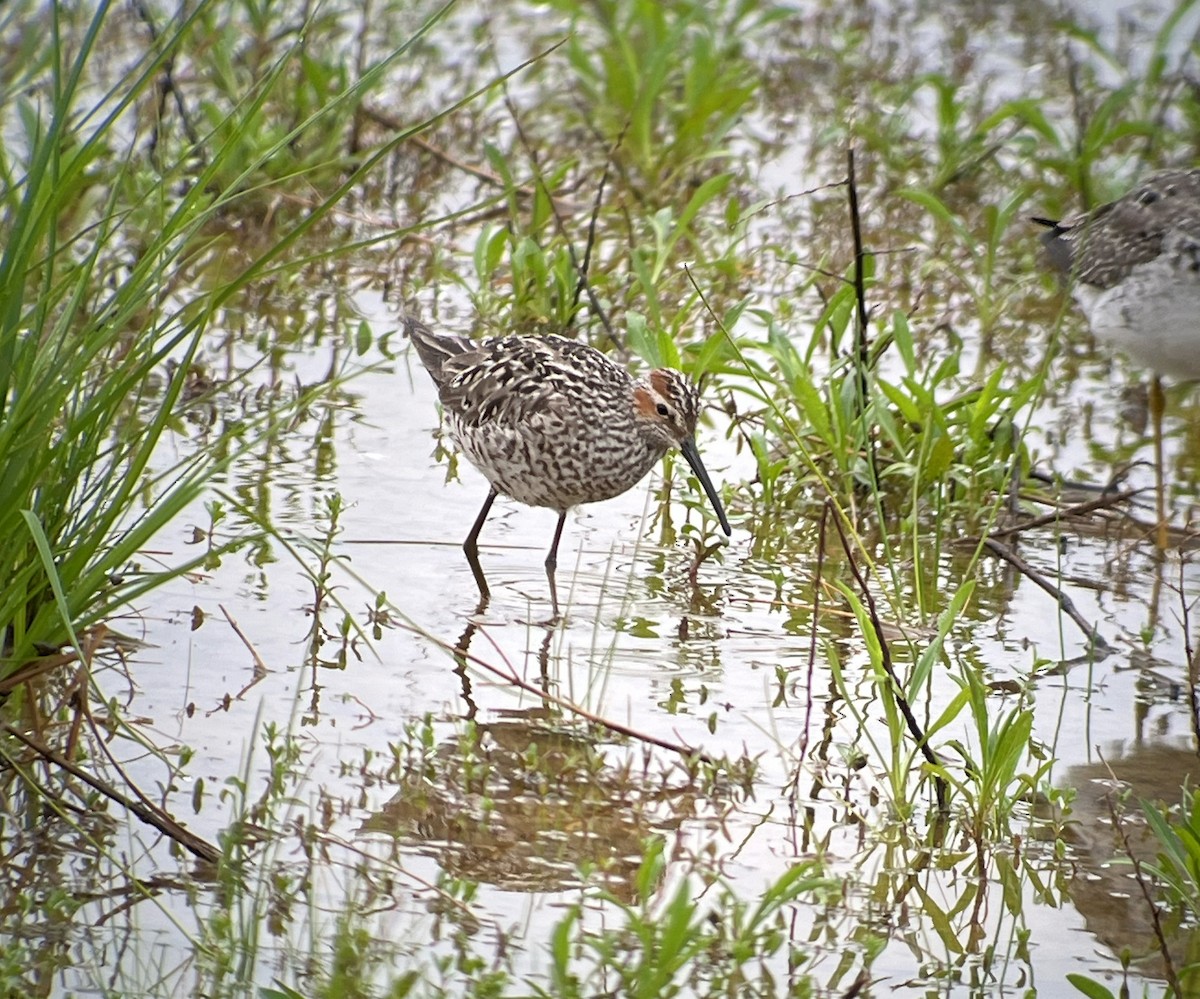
(700, 652)
(1106, 827)
(528, 802)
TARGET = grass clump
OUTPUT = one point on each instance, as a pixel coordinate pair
(101, 224)
(86, 330)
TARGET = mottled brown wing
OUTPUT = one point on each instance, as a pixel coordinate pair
(503, 380)
(1101, 248)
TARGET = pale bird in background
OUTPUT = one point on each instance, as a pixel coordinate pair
(1134, 269)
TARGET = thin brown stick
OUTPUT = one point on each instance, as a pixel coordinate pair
(862, 340)
(1142, 882)
(771, 205)
(1191, 649)
(90, 639)
(380, 117)
(510, 676)
(149, 814)
(1065, 602)
(1194, 695)
(581, 267)
(1103, 502)
(35, 668)
(702, 555)
(260, 668)
(885, 652)
(167, 87)
(802, 748)
(812, 634)
(811, 664)
(834, 275)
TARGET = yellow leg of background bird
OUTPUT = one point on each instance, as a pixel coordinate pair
(1158, 404)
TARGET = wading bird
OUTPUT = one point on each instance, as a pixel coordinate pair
(1134, 269)
(555, 423)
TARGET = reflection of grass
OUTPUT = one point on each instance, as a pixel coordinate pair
(880, 365)
(652, 933)
(673, 942)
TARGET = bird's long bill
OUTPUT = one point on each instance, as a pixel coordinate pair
(688, 447)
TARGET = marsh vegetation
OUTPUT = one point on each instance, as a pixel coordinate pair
(926, 727)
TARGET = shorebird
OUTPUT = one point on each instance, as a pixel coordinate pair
(1134, 268)
(555, 423)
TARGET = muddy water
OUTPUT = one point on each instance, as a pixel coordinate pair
(724, 663)
(720, 666)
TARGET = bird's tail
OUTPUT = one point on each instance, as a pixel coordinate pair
(435, 349)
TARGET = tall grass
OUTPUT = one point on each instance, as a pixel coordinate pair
(100, 225)
(112, 203)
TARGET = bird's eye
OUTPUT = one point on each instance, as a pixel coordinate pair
(663, 410)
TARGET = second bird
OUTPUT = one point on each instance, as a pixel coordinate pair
(1134, 267)
(555, 423)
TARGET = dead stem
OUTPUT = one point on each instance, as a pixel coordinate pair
(1104, 502)
(260, 668)
(510, 676)
(581, 267)
(148, 812)
(1091, 632)
(1140, 878)
(914, 727)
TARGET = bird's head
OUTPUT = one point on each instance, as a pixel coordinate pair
(666, 406)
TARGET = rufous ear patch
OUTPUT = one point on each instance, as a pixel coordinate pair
(643, 402)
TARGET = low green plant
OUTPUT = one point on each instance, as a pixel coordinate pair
(269, 73)
(671, 79)
(1178, 833)
(1122, 99)
(1001, 768)
(676, 943)
(525, 286)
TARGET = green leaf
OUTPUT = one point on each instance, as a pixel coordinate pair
(1089, 987)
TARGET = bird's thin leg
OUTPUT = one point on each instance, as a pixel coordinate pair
(471, 545)
(1158, 403)
(552, 560)
(552, 557)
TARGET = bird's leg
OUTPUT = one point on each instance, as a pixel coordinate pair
(471, 545)
(1158, 404)
(552, 556)
(552, 560)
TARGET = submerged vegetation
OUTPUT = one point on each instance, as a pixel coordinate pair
(214, 216)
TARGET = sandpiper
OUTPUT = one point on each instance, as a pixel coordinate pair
(1134, 267)
(555, 423)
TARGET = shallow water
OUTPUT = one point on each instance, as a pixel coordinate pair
(390, 798)
(738, 682)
